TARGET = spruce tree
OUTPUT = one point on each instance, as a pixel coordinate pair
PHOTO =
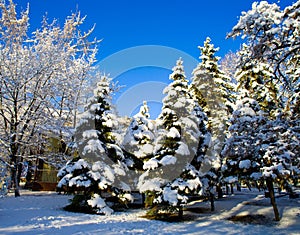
(102, 164)
(241, 159)
(173, 171)
(140, 135)
(213, 90)
(261, 150)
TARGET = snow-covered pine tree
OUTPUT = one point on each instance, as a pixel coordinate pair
(173, 171)
(210, 84)
(102, 165)
(240, 154)
(140, 135)
(279, 148)
(260, 149)
(214, 91)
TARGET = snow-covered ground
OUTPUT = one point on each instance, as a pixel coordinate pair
(42, 213)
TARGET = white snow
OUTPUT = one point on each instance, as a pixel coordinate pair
(245, 164)
(183, 149)
(42, 213)
(88, 134)
(168, 160)
(97, 201)
(170, 195)
(173, 133)
(231, 179)
(151, 164)
(152, 184)
(93, 146)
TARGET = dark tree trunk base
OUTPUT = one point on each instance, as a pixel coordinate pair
(270, 186)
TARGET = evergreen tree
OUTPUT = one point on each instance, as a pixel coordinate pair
(210, 85)
(103, 164)
(240, 154)
(215, 94)
(140, 135)
(173, 171)
(261, 149)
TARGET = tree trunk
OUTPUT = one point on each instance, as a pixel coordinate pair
(15, 176)
(270, 186)
(212, 201)
(16, 169)
(238, 187)
(219, 191)
(180, 212)
(231, 188)
(227, 189)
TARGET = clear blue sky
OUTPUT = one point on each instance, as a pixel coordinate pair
(122, 24)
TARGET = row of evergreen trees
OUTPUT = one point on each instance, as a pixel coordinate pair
(222, 127)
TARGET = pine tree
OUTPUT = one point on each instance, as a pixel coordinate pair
(173, 171)
(241, 154)
(215, 94)
(261, 149)
(103, 164)
(140, 135)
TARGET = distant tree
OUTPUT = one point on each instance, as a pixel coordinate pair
(40, 76)
(228, 65)
(140, 135)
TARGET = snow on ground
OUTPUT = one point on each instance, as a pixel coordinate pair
(42, 213)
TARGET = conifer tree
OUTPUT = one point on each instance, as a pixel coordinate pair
(140, 135)
(215, 94)
(261, 149)
(102, 164)
(240, 154)
(173, 171)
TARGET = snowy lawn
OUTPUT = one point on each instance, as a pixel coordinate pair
(42, 213)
